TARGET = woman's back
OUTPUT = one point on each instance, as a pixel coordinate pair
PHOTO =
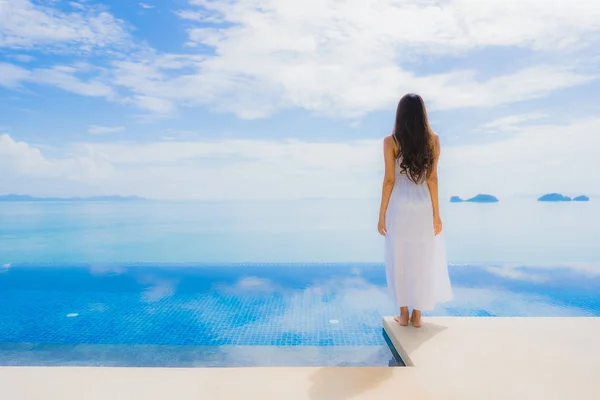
(415, 255)
(402, 175)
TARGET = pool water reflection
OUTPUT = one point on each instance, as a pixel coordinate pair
(247, 314)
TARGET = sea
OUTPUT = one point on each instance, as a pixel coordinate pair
(519, 231)
(264, 283)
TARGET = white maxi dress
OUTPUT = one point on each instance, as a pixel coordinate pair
(415, 259)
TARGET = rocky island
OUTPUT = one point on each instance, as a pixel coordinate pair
(581, 198)
(554, 197)
(480, 198)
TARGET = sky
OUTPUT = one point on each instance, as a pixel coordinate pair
(278, 99)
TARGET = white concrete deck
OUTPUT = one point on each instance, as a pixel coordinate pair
(453, 358)
(503, 358)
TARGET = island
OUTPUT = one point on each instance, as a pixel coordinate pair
(26, 198)
(554, 197)
(581, 198)
(480, 198)
(483, 198)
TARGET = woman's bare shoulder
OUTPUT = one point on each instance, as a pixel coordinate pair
(390, 143)
(390, 140)
(436, 144)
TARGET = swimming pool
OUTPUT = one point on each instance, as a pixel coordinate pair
(247, 314)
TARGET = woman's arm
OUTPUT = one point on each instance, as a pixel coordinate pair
(389, 155)
(432, 183)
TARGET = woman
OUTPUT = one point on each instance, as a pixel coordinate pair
(409, 217)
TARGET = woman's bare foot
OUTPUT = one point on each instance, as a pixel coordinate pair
(415, 319)
(402, 319)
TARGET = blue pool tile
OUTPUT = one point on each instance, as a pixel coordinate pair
(211, 307)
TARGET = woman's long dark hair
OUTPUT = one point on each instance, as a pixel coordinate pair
(414, 138)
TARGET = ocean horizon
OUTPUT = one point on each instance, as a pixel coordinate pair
(285, 231)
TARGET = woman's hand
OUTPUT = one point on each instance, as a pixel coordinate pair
(381, 226)
(437, 225)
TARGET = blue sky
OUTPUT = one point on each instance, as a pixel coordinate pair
(190, 99)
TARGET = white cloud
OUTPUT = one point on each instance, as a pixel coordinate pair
(24, 58)
(79, 6)
(335, 58)
(60, 76)
(155, 104)
(321, 299)
(533, 160)
(204, 169)
(243, 168)
(100, 130)
(511, 123)
(201, 16)
(516, 274)
(156, 288)
(24, 24)
(23, 161)
(463, 90)
(64, 78)
(502, 302)
(349, 58)
(542, 272)
(266, 83)
(12, 75)
(146, 6)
